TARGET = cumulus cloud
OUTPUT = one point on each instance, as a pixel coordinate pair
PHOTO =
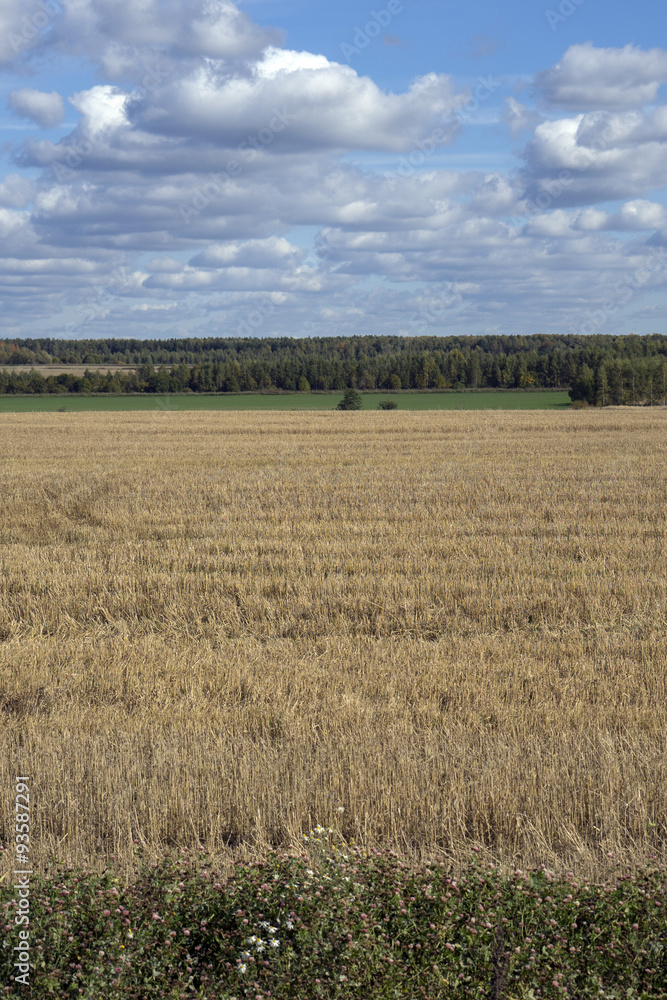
(13, 226)
(126, 37)
(16, 191)
(641, 214)
(589, 78)
(232, 278)
(634, 216)
(272, 252)
(101, 108)
(46, 109)
(305, 100)
(597, 156)
(591, 218)
(22, 26)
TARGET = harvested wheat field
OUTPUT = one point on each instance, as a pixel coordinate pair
(223, 628)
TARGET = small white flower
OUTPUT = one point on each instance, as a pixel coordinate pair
(290, 925)
(275, 943)
(242, 967)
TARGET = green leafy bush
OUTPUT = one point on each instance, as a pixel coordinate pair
(332, 922)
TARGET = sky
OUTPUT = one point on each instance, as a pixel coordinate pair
(201, 168)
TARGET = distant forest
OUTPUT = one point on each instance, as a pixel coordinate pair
(602, 370)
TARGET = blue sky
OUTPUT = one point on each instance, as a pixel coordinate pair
(204, 168)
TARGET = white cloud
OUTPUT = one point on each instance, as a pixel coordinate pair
(232, 278)
(589, 78)
(48, 265)
(11, 223)
(634, 216)
(640, 214)
(591, 219)
(495, 195)
(101, 108)
(303, 101)
(22, 24)
(272, 252)
(16, 191)
(46, 109)
(127, 37)
(557, 223)
(281, 61)
(603, 156)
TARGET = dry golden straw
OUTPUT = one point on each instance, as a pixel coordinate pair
(222, 628)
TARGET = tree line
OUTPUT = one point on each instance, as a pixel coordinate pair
(601, 369)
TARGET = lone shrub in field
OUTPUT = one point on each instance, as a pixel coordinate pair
(387, 404)
(350, 401)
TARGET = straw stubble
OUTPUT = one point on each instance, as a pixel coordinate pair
(222, 628)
